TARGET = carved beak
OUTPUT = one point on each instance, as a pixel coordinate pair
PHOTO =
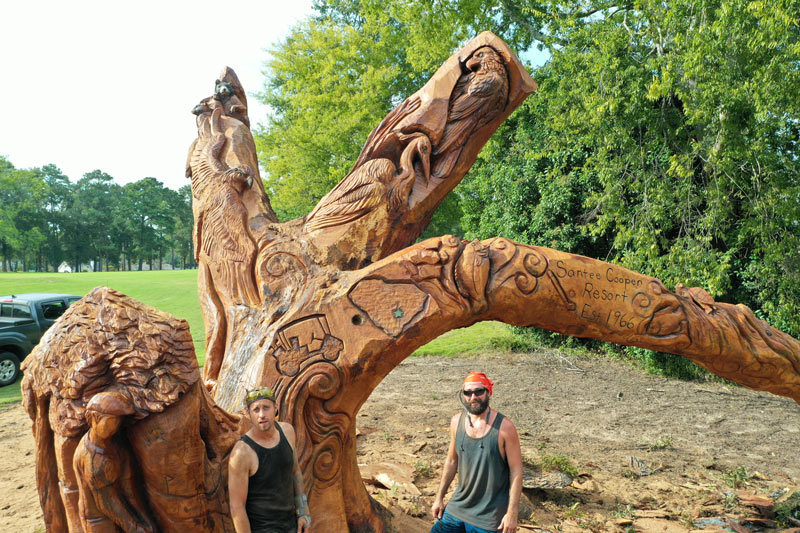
(425, 158)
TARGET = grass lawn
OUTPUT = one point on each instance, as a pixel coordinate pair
(480, 337)
(175, 292)
(11, 393)
(171, 291)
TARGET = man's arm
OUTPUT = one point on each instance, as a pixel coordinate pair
(449, 470)
(300, 499)
(238, 480)
(509, 443)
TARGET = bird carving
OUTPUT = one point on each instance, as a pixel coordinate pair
(374, 182)
(224, 239)
(478, 97)
(223, 245)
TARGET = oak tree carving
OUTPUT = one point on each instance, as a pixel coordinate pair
(322, 308)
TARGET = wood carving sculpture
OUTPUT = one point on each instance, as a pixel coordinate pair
(322, 308)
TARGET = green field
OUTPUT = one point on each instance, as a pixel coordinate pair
(175, 292)
(171, 291)
(478, 338)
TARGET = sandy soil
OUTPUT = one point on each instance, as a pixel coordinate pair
(597, 413)
(19, 510)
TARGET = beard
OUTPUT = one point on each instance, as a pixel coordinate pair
(481, 406)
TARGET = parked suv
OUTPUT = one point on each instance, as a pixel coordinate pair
(23, 320)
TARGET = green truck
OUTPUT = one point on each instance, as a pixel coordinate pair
(23, 320)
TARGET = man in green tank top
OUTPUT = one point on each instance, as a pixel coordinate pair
(485, 452)
(265, 484)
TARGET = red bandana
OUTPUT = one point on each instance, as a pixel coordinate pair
(480, 378)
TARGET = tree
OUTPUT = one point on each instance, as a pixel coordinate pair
(150, 217)
(59, 194)
(95, 201)
(22, 193)
(182, 234)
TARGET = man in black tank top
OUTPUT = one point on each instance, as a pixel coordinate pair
(265, 484)
(485, 452)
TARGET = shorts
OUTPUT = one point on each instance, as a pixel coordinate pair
(450, 524)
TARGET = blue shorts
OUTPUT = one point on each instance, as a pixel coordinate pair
(450, 524)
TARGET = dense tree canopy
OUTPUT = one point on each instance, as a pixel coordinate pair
(45, 219)
(664, 135)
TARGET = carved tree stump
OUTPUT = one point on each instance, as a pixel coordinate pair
(322, 308)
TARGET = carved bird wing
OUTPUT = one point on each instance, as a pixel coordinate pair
(382, 141)
(478, 97)
(224, 229)
(359, 192)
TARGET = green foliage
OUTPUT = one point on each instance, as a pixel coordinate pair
(21, 195)
(423, 469)
(554, 462)
(665, 364)
(624, 511)
(736, 477)
(560, 463)
(662, 443)
(45, 219)
(789, 508)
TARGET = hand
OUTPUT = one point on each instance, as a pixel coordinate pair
(437, 509)
(302, 525)
(509, 523)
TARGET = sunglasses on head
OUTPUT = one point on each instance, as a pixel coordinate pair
(474, 392)
(259, 394)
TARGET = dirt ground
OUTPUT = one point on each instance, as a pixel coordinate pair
(693, 440)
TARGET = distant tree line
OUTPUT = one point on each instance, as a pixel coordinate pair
(665, 136)
(45, 220)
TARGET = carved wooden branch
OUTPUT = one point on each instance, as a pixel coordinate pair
(454, 115)
(332, 353)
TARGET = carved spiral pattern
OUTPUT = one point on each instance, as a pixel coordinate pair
(279, 264)
(325, 384)
(525, 283)
(327, 462)
(535, 266)
(320, 432)
(641, 304)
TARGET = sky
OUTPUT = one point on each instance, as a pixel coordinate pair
(110, 85)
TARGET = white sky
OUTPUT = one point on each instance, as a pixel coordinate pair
(110, 85)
